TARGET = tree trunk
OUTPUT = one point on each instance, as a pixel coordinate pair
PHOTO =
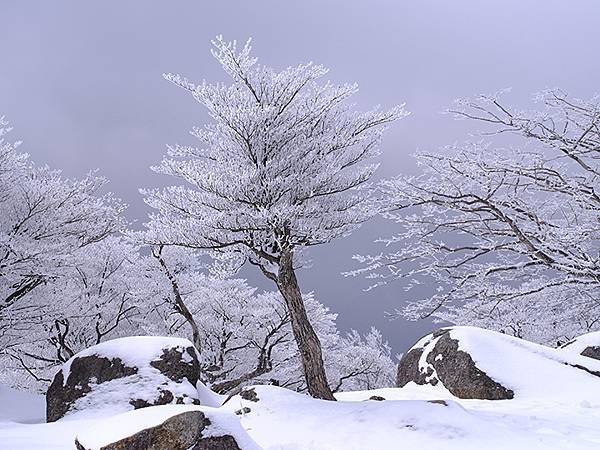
(179, 303)
(306, 338)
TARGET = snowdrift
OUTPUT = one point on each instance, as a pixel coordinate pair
(286, 420)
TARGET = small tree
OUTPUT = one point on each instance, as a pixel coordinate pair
(508, 232)
(282, 166)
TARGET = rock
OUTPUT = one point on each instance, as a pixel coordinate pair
(591, 352)
(168, 428)
(249, 394)
(472, 362)
(377, 398)
(123, 374)
(446, 364)
(585, 345)
(179, 432)
(438, 402)
(408, 367)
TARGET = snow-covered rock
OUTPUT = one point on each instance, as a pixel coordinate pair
(586, 345)
(474, 363)
(556, 406)
(409, 418)
(124, 374)
(170, 427)
(437, 358)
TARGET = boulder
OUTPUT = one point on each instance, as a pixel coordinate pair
(123, 374)
(591, 352)
(436, 358)
(167, 428)
(470, 362)
(585, 345)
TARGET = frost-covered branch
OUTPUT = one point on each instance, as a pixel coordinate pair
(507, 231)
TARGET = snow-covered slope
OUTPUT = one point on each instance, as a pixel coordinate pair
(287, 420)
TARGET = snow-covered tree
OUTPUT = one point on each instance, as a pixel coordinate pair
(357, 362)
(284, 164)
(508, 229)
(48, 227)
(90, 302)
(45, 219)
(12, 163)
(245, 336)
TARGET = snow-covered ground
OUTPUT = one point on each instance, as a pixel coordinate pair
(556, 406)
(284, 420)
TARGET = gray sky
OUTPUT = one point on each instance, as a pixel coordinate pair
(81, 82)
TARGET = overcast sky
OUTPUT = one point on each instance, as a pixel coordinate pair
(81, 83)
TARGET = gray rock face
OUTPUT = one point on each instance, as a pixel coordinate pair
(173, 365)
(154, 382)
(592, 352)
(585, 345)
(452, 367)
(408, 369)
(61, 395)
(180, 432)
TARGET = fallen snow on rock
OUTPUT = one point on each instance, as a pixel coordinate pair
(133, 351)
(522, 368)
(208, 397)
(116, 428)
(587, 345)
(531, 370)
(122, 374)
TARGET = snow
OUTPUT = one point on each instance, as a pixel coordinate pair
(112, 397)
(147, 348)
(123, 425)
(528, 369)
(285, 420)
(580, 343)
(556, 406)
(208, 397)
